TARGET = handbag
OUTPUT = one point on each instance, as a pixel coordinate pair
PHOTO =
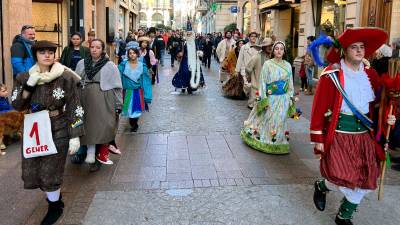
(38, 139)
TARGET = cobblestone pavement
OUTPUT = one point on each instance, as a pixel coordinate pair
(187, 165)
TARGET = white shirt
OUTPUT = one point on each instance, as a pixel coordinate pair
(358, 89)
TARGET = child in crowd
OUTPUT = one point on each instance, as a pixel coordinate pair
(303, 77)
(10, 120)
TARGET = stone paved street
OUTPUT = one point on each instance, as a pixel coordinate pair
(188, 165)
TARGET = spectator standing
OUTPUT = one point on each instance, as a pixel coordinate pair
(207, 51)
(120, 46)
(21, 53)
(160, 46)
(217, 40)
(91, 36)
(74, 52)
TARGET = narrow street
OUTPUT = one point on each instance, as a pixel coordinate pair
(188, 165)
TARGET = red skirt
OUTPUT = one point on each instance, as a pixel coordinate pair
(351, 161)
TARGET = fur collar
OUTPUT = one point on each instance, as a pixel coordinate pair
(56, 71)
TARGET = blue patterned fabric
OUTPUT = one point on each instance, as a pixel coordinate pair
(5, 105)
(277, 88)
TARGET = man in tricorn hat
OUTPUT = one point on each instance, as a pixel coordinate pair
(342, 119)
(254, 66)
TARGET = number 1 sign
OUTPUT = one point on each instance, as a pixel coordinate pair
(38, 140)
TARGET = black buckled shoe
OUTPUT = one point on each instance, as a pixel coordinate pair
(54, 212)
(319, 197)
(340, 221)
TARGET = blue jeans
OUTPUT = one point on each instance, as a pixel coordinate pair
(162, 51)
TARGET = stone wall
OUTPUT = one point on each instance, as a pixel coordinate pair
(12, 26)
(395, 24)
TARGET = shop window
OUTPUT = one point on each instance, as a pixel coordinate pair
(157, 18)
(246, 18)
(332, 17)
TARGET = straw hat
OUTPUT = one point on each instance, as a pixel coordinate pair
(144, 38)
(266, 42)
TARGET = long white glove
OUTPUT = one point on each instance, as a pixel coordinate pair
(74, 145)
(33, 80)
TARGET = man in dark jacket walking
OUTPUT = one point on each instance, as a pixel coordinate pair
(174, 43)
(160, 47)
(21, 53)
(207, 51)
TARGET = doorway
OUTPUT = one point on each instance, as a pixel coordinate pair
(76, 17)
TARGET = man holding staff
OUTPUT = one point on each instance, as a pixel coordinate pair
(342, 120)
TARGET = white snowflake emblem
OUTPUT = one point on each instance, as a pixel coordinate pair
(58, 93)
(79, 111)
(14, 95)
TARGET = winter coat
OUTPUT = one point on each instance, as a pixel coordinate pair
(253, 71)
(245, 55)
(222, 47)
(21, 55)
(66, 56)
(207, 48)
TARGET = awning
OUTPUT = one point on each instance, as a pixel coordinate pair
(48, 1)
(274, 4)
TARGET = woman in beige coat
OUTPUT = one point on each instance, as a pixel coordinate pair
(253, 68)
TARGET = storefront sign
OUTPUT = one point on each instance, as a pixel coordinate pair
(234, 9)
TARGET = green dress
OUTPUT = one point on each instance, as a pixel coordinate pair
(266, 128)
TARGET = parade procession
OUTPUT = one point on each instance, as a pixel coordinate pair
(199, 112)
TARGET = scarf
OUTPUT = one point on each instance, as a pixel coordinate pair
(57, 69)
(92, 69)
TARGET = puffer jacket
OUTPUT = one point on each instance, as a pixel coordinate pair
(21, 55)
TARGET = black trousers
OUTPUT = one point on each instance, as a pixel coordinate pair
(304, 83)
(133, 122)
(207, 61)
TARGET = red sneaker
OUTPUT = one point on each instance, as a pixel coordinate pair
(103, 155)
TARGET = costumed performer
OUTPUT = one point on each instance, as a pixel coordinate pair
(266, 128)
(233, 87)
(137, 85)
(49, 88)
(101, 95)
(342, 120)
(189, 75)
(391, 99)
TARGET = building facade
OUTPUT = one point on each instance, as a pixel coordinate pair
(248, 16)
(219, 15)
(56, 20)
(153, 12)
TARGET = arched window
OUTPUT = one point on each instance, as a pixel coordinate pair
(246, 17)
(143, 16)
(157, 18)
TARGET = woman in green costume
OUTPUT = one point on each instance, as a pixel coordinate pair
(266, 128)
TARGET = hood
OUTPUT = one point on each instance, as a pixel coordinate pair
(19, 38)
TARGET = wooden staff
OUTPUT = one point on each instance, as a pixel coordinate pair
(383, 163)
